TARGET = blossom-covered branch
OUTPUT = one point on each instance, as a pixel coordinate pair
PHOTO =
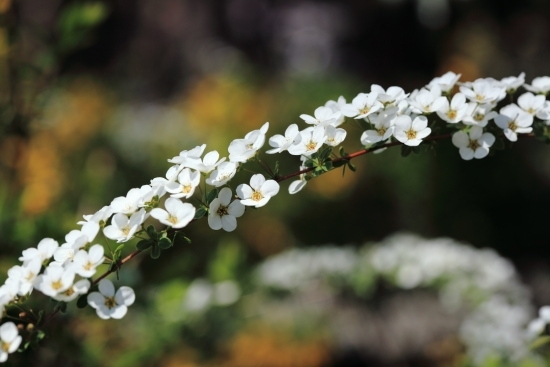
(476, 116)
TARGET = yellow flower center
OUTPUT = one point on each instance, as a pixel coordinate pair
(69, 292)
(473, 145)
(5, 346)
(186, 188)
(172, 219)
(257, 196)
(311, 145)
(110, 302)
(365, 110)
(382, 130)
(222, 210)
(411, 134)
(512, 126)
(479, 116)
(451, 114)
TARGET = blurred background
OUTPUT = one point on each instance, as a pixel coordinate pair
(96, 95)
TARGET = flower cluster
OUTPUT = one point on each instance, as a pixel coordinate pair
(477, 284)
(475, 113)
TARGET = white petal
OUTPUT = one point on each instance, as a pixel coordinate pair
(106, 287)
(229, 223)
(125, 296)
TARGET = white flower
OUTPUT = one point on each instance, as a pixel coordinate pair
(9, 340)
(474, 144)
(109, 304)
(455, 111)
(427, 101)
(281, 143)
(85, 262)
(222, 174)
(121, 228)
(540, 84)
(311, 139)
(513, 120)
(383, 129)
(187, 157)
(241, 150)
(512, 83)
(208, 163)
(362, 105)
(323, 116)
(44, 251)
(99, 217)
(298, 185)
(259, 192)
(531, 103)
(411, 132)
(80, 287)
(391, 96)
(130, 203)
(335, 135)
(55, 279)
(336, 106)
(479, 114)
(445, 82)
(221, 214)
(185, 186)
(25, 275)
(176, 215)
(483, 91)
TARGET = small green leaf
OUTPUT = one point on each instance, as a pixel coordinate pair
(187, 239)
(62, 306)
(325, 153)
(155, 252)
(328, 166)
(342, 152)
(405, 150)
(82, 301)
(201, 212)
(40, 335)
(211, 196)
(144, 244)
(164, 243)
(151, 232)
(117, 253)
(339, 163)
(352, 167)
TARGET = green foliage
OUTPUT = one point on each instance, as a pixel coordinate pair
(77, 22)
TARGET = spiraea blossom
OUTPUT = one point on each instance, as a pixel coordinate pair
(386, 117)
(110, 304)
(513, 120)
(123, 228)
(9, 340)
(474, 143)
(241, 150)
(259, 191)
(176, 215)
(222, 213)
(411, 132)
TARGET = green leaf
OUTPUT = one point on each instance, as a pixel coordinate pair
(325, 153)
(211, 196)
(340, 163)
(352, 166)
(201, 212)
(405, 150)
(328, 166)
(540, 341)
(117, 253)
(151, 232)
(40, 335)
(62, 306)
(144, 244)
(82, 301)
(155, 252)
(164, 243)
